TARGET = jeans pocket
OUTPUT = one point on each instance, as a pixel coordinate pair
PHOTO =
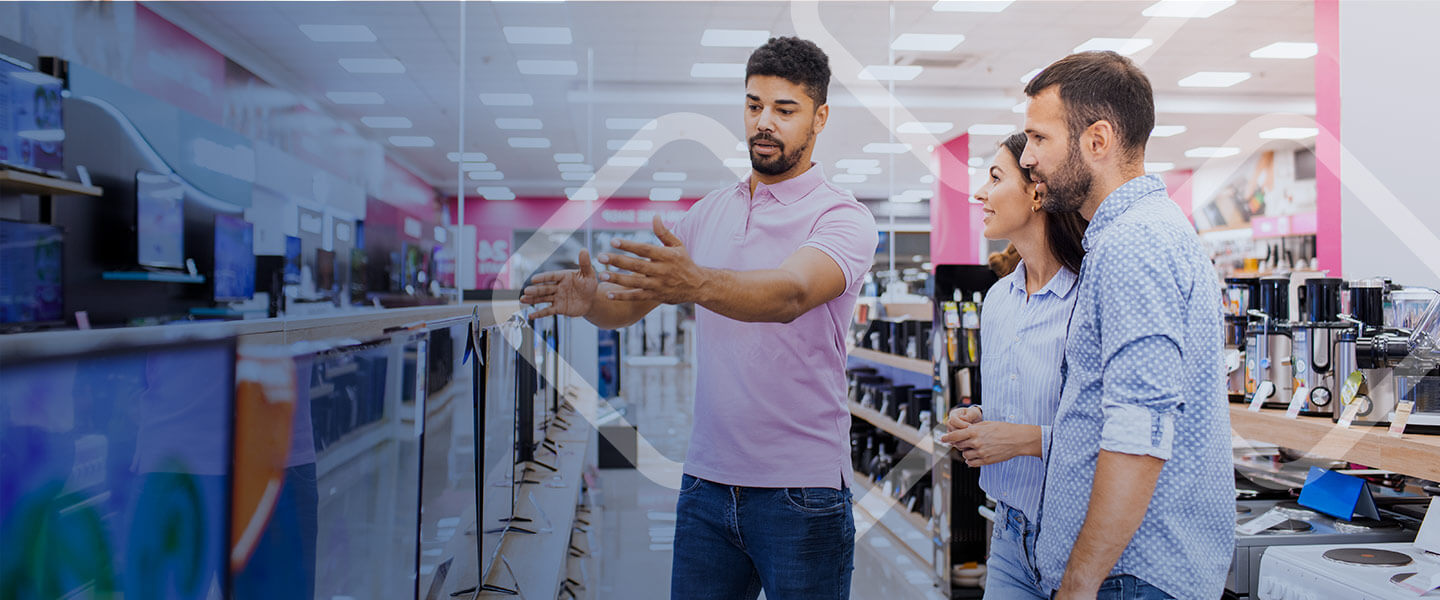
(688, 483)
(815, 500)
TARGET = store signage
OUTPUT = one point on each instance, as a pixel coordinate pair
(640, 216)
(310, 223)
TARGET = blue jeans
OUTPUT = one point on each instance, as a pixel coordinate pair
(730, 542)
(1010, 574)
(1129, 587)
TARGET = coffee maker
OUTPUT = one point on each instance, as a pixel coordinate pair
(1268, 343)
(1242, 295)
(1371, 390)
(1312, 361)
(1409, 357)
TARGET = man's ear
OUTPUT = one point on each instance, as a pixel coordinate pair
(1100, 141)
(822, 115)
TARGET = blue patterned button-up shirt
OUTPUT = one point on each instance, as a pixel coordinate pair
(1144, 376)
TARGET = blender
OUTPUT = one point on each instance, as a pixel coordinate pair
(1372, 388)
(1412, 358)
(1312, 360)
(1268, 343)
(1242, 295)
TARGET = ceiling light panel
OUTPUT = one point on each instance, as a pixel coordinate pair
(507, 99)
(569, 157)
(547, 67)
(338, 33)
(666, 194)
(1212, 152)
(477, 166)
(1187, 9)
(485, 175)
(1291, 50)
(467, 157)
(1031, 75)
(412, 141)
(575, 168)
(355, 97)
(1167, 130)
(988, 6)
(1122, 46)
(1289, 133)
(495, 192)
(522, 124)
(927, 42)
(734, 38)
(538, 35)
(529, 142)
(387, 122)
(384, 66)
(991, 129)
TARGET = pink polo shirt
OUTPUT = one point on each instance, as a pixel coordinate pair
(770, 399)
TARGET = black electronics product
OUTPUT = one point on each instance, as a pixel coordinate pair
(159, 221)
(441, 356)
(234, 272)
(270, 277)
(525, 391)
(324, 269)
(32, 286)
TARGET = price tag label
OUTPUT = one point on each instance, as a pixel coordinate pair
(1262, 393)
(1296, 401)
(1348, 416)
(1260, 523)
(1349, 391)
(1402, 416)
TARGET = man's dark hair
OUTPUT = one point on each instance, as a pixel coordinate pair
(795, 60)
(1102, 86)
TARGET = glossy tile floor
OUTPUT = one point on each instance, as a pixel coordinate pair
(637, 512)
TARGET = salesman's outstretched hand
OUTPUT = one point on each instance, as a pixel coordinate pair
(570, 293)
(656, 273)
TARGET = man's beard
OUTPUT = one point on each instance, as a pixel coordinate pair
(1068, 187)
(781, 161)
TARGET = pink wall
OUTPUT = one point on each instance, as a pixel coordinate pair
(495, 223)
(955, 223)
(1178, 183)
(1327, 144)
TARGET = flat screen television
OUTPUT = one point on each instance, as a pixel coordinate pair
(293, 248)
(31, 268)
(159, 221)
(324, 269)
(32, 130)
(118, 469)
(234, 273)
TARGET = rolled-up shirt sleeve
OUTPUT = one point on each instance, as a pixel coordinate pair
(848, 235)
(1140, 323)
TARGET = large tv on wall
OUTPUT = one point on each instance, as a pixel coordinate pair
(234, 272)
(159, 221)
(32, 128)
(31, 286)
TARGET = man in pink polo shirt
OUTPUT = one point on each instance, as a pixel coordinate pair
(774, 265)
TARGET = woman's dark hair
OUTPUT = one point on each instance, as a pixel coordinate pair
(1063, 231)
(798, 61)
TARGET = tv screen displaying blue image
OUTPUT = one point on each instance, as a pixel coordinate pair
(31, 264)
(234, 259)
(117, 472)
(32, 131)
(159, 220)
(293, 248)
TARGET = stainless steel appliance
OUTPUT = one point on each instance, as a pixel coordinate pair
(1242, 295)
(1268, 343)
(1313, 360)
(1401, 365)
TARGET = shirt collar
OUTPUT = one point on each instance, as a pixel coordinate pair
(793, 189)
(1118, 202)
(1060, 285)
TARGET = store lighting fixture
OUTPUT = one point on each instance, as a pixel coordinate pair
(485, 175)
(619, 124)
(629, 145)
(575, 168)
(1212, 152)
(577, 176)
(582, 194)
(338, 33)
(387, 122)
(1214, 79)
(547, 67)
(1167, 130)
(976, 161)
(569, 157)
(529, 142)
(355, 97)
(1187, 9)
(934, 127)
(856, 163)
(495, 192)
(523, 124)
(507, 99)
(538, 35)
(737, 163)
(717, 70)
(467, 157)
(927, 179)
(927, 42)
(885, 148)
(865, 171)
(891, 72)
(1031, 75)
(848, 178)
(1289, 133)
(990, 129)
(1287, 50)
(412, 141)
(384, 66)
(477, 166)
(1020, 108)
(1158, 167)
(734, 38)
(666, 194)
(627, 161)
(1121, 46)
(669, 176)
(988, 6)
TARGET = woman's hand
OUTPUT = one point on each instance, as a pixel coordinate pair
(990, 442)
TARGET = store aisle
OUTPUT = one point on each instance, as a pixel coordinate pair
(638, 514)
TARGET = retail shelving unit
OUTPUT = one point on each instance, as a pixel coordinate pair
(1410, 454)
(30, 183)
(921, 367)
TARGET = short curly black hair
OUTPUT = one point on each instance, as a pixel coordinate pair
(795, 60)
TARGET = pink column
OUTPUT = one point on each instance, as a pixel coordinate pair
(1327, 144)
(954, 222)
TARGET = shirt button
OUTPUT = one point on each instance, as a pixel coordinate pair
(1012, 377)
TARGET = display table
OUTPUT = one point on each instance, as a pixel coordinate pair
(1412, 454)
